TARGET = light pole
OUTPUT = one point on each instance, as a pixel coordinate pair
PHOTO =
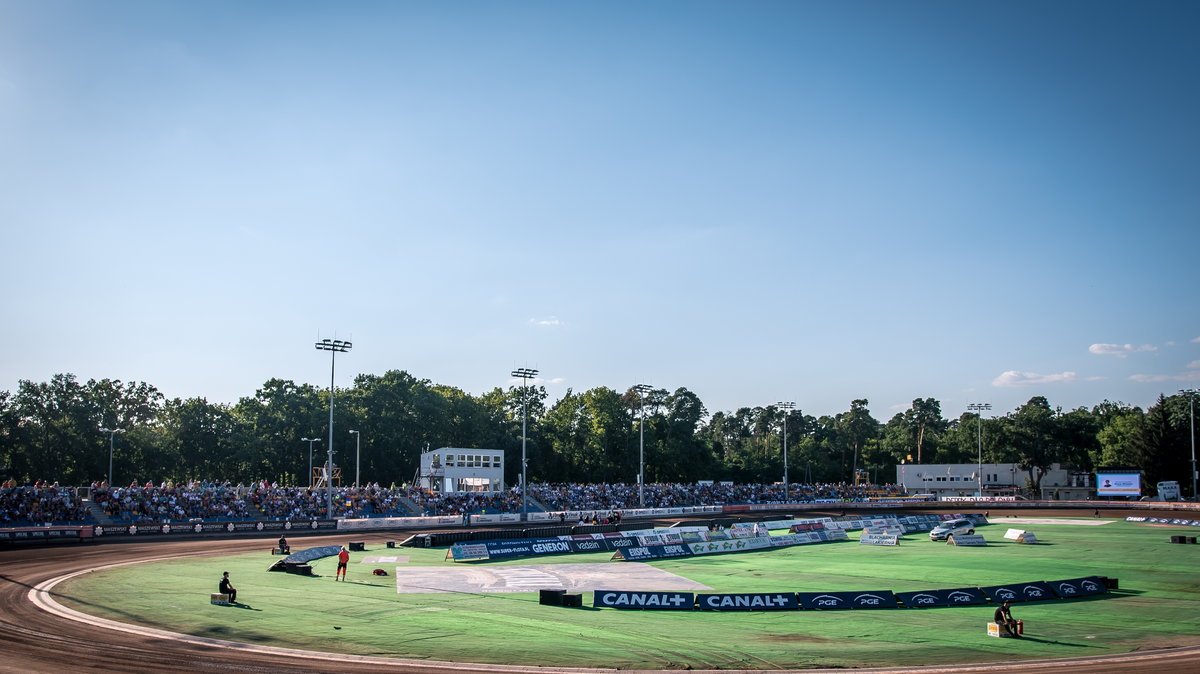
(642, 390)
(525, 374)
(334, 347)
(1191, 396)
(310, 441)
(786, 407)
(113, 431)
(357, 438)
(979, 408)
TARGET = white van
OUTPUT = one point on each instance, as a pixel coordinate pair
(1168, 491)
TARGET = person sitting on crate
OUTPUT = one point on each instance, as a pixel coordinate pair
(225, 587)
(1003, 618)
(284, 548)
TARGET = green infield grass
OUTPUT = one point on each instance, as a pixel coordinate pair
(1157, 605)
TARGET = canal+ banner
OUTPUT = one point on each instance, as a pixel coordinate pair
(771, 601)
(663, 601)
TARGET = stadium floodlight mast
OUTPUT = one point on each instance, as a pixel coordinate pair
(786, 407)
(113, 431)
(357, 438)
(310, 441)
(524, 374)
(642, 390)
(1191, 396)
(979, 409)
(334, 347)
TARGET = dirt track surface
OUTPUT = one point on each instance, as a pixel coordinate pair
(36, 641)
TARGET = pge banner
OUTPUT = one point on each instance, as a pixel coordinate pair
(963, 596)
(1035, 591)
(777, 601)
(675, 601)
(825, 600)
(1078, 587)
(842, 600)
(876, 599)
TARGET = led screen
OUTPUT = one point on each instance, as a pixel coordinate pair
(1118, 484)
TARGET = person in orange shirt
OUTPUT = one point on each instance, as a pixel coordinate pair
(343, 560)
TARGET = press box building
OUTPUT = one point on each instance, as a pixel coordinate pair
(455, 469)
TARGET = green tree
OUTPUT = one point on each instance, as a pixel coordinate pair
(1035, 438)
(855, 428)
(1122, 443)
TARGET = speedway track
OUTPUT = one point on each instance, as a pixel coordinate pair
(37, 640)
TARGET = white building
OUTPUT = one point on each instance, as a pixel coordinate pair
(999, 479)
(451, 469)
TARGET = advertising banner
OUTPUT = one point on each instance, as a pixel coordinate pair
(876, 599)
(714, 547)
(778, 601)
(1035, 591)
(527, 547)
(877, 539)
(1118, 484)
(963, 596)
(644, 552)
(825, 600)
(1078, 587)
(41, 533)
(675, 601)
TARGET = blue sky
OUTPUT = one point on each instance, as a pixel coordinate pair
(818, 202)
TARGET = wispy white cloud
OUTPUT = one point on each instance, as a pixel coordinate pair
(1119, 350)
(1158, 378)
(1196, 340)
(1095, 378)
(1195, 364)
(549, 321)
(1014, 378)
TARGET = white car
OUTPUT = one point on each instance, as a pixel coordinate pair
(950, 528)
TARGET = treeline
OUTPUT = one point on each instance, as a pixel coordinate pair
(51, 431)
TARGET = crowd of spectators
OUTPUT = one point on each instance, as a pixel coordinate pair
(465, 503)
(305, 503)
(169, 502)
(40, 504)
(201, 500)
(558, 496)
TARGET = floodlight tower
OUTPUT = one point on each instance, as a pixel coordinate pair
(979, 408)
(113, 431)
(787, 407)
(642, 390)
(334, 347)
(310, 441)
(524, 374)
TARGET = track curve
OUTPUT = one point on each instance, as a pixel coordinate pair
(39, 640)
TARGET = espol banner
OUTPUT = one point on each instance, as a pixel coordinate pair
(640, 553)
